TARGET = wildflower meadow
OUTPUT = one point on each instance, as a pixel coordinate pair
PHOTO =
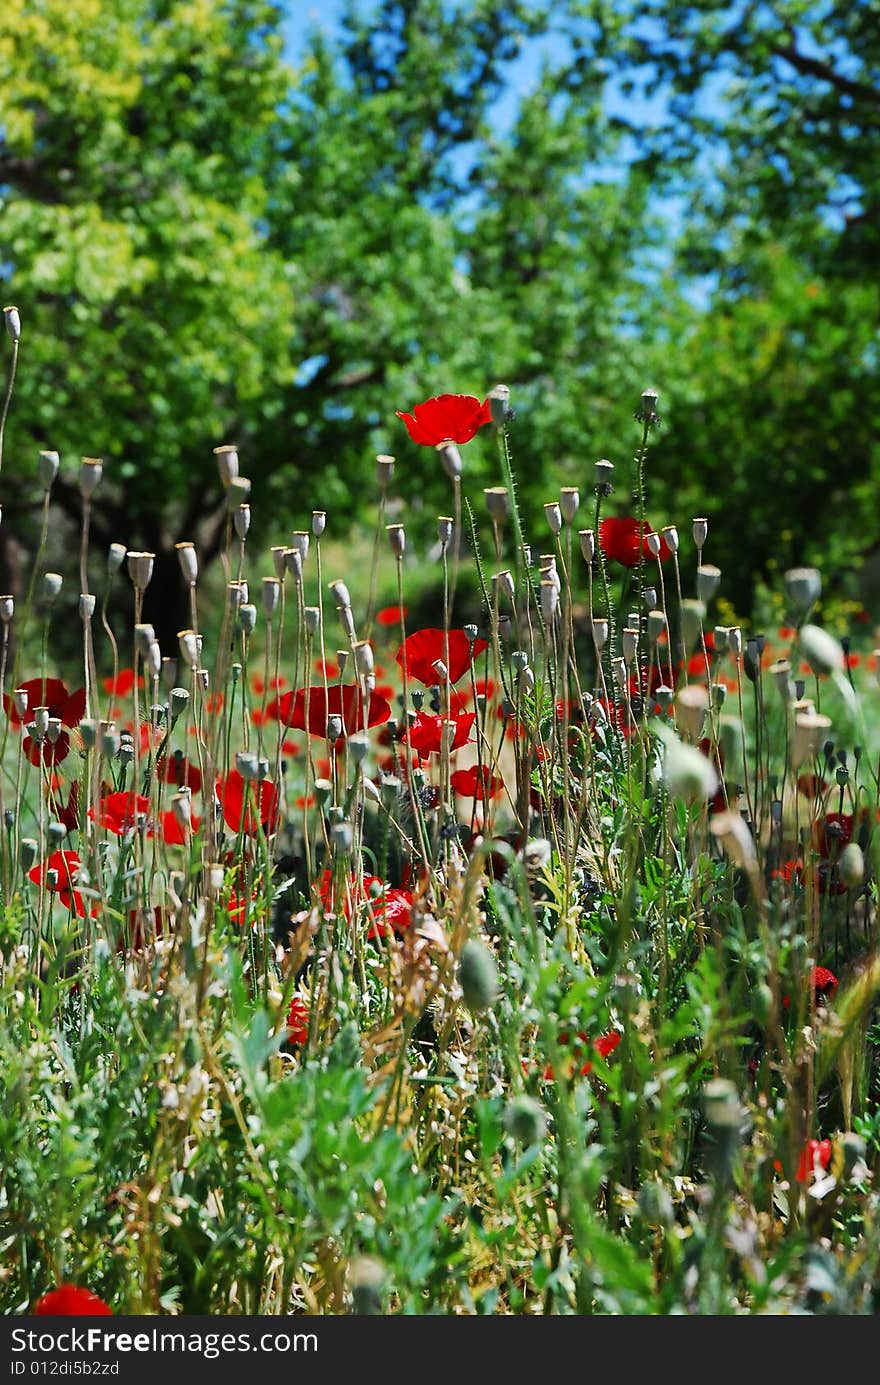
(518, 958)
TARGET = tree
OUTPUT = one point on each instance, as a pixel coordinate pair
(206, 247)
(767, 120)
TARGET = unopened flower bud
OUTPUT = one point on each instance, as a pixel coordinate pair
(478, 977)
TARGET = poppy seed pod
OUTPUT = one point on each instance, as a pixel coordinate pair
(20, 702)
(604, 473)
(363, 658)
(47, 468)
(720, 635)
(340, 594)
(630, 645)
(618, 669)
(358, 747)
(91, 469)
(169, 671)
(300, 540)
(600, 633)
(293, 564)
(12, 318)
(319, 522)
(478, 977)
(656, 623)
(341, 659)
(188, 561)
(519, 659)
(140, 568)
(241, 521)
(396, 539)
(663, 696)
(569, 503)
(41, 720)
(810, 729)
(732, 831)
(86, 607)
(780, 672)
(451, 459)
(499, 405)
(691, 616)
(708, 581)
(670, 534)
(271, 596)
(735, 640)
(649, 598)
(278, 551)
(549, 599)
(506, 583)
(237, 492)
(653, 543)
(115, 557)
(190, 645)
(445, 528)
(648, 406)
(108, 740)
(724, 1120)
(803, 587)
(312, 619)
(181, 807)
(88, 732)
(691, 706)
(227, 462)
(700, 531)
(384, 469)
(527, 681)
(334, 728)
(236, 595)
(7, 608)
(497, 503)
(554, 517)
(52, 584)
(246, 764)
(203, 678)
(588, 544)
(247, 618)
(179, 702)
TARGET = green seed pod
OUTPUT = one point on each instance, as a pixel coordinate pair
(524, 1119)
(478, 977)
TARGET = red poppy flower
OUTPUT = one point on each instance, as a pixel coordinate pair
(420, 652)
(470, 783)
(178, 770)
(426, 732)
(122, 683)
(239, 799)
(172, 830)
(48, 752)
(623, 539)
(144, 926)
(391, 615)
(345, 702)
(298, 1022)
(811, 785)
(52, 693)
(69, 1300)
(65, 864)
(825, 983)
(389, 906)
(832, 833)
(446, 418)
(122, 811)
(604, 1045)
(815, 1158)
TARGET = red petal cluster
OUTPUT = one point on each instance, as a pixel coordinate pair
(426, 732)
(419, 653)
(246, 805)
(69, 1300)
(345, 702)
(623, 539)
(446, 418)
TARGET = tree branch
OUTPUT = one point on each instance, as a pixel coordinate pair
(818, 67)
